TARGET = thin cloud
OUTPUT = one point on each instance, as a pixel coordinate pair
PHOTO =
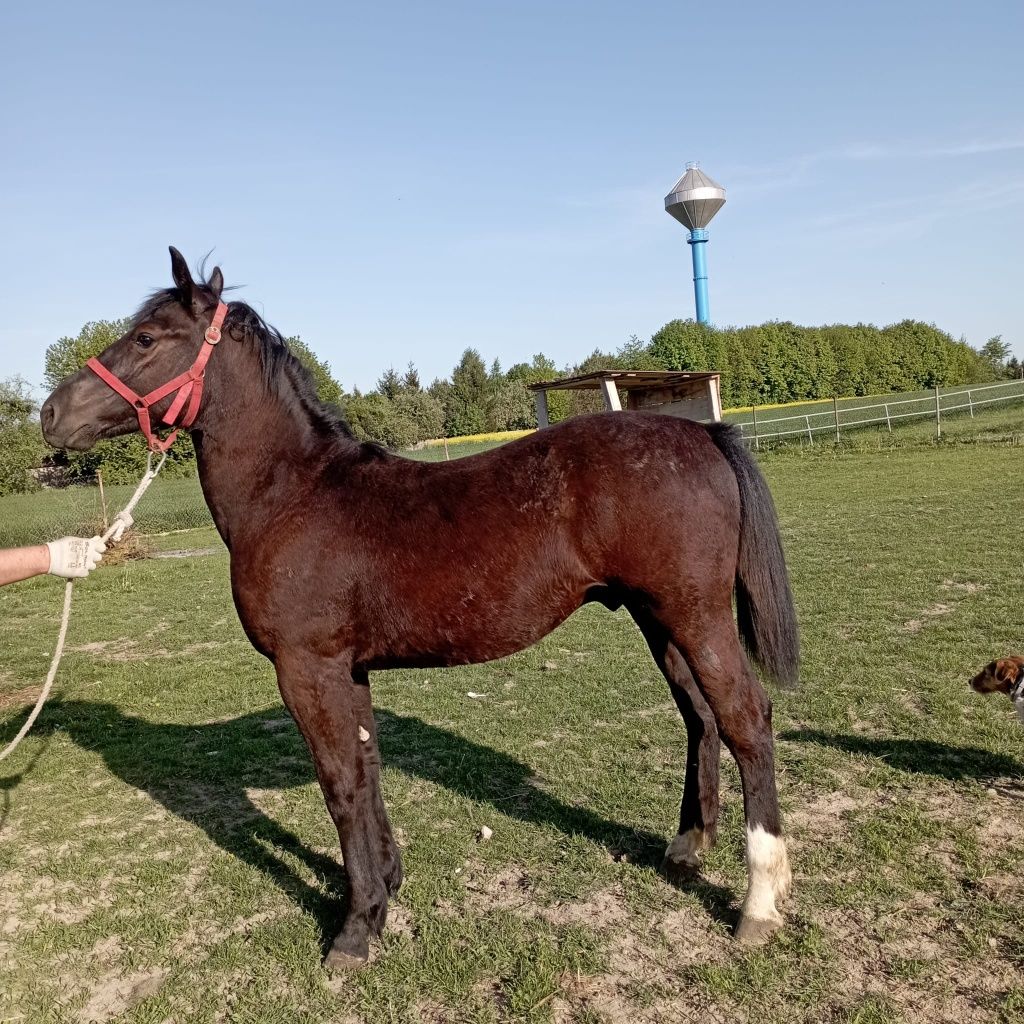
(793, 171)
(914, 214)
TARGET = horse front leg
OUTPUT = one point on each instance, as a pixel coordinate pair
(332, 709)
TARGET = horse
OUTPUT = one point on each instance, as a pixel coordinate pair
(347, 558)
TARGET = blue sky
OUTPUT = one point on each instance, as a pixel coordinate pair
(397, 182)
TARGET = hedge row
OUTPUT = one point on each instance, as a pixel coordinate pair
(781, 362)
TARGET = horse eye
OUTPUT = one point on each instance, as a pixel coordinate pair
(144, 340)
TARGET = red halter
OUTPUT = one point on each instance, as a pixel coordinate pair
(189, 386)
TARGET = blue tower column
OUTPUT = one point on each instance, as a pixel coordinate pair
(698, 241)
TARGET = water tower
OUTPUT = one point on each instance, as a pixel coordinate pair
(694, 200)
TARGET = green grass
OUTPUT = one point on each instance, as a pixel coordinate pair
(170, 504)
(177, 504)
(165, 853)
(456, 450)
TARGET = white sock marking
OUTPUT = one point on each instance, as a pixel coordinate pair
(685, 848)
(770, 878)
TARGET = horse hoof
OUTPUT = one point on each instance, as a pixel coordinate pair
(338, 960)
(343, 957)
(752, 931)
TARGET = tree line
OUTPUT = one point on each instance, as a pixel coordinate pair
(769, 363)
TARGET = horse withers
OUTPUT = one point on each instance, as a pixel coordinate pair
(346, 558)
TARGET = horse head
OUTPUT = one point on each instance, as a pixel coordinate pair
(154, 372)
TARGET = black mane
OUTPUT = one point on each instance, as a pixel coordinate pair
(283, 375)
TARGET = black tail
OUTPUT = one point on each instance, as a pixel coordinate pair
(764, 603)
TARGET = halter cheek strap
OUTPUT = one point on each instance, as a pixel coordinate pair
(189, 387)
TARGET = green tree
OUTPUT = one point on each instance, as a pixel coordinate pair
(420, 414)
(389, 385)
(542, 368)
(511, 406)
(411, 379)
(328, 390)
(466, 408)
(682, 345)
(373, 417)
(21, 442)
(122, 459)
(68, 355)
(996, 352)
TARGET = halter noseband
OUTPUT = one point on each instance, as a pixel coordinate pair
(189, 386)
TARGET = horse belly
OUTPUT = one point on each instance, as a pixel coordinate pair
(467, 632)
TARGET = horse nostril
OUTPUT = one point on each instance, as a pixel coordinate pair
(47, 415)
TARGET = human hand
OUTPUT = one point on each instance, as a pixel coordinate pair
(75, 557)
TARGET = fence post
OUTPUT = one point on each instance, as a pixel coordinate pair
(888, 422)
(970, 402)
(447, 457)
(753, 412)
(938, 416)
(103, 500)
(810, 436)
(835, 409)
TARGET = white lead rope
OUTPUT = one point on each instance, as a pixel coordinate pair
(122, 521)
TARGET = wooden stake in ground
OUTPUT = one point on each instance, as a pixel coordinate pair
(103, 500)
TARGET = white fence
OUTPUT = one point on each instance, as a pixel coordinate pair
(842, 417)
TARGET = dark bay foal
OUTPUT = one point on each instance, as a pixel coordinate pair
(346, 559)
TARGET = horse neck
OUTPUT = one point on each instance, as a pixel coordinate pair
(257, 452)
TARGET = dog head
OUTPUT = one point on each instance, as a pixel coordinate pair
(1001, 676)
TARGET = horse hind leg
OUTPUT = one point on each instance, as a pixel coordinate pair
(743, 712)
(698, 808)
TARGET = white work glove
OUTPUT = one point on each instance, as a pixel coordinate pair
(75, 557)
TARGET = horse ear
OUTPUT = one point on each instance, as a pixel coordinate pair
(182, 278)
(216, 284)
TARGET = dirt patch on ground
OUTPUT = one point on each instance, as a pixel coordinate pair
(24, 902)
(126, 649)
(648, 951)
(940, 608)
(919, 939)
(659, 970)
(185, 552)
(117, 992)
(933, 612)
(964, 588)
(16, 698)
(824, 816)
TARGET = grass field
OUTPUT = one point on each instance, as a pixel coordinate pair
(175, 505)
(166, 855)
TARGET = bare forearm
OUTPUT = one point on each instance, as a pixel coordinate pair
(23, 563)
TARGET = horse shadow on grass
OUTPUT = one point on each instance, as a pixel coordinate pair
(919, 757)
(203, 775)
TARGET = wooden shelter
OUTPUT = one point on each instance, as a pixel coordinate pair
(695, 396)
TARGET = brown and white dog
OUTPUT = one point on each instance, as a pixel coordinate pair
(1006, 675)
